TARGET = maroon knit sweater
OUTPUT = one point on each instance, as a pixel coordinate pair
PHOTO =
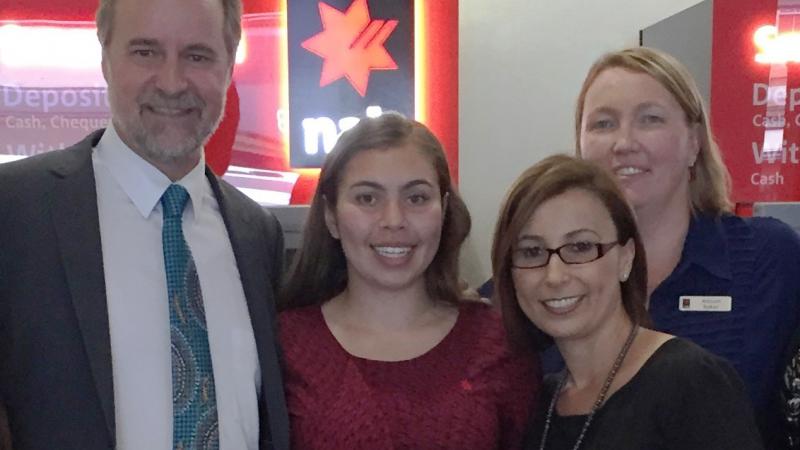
(468, 392)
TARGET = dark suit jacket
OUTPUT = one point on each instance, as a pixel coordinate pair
(55, 356)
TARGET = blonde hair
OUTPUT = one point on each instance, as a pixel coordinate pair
(710, 184)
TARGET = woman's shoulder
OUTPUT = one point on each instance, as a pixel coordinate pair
(682, 363)
(299, 322)
(302, 314)
(307, 345)
(759, 249)
(483, 340)
(480, 311)
(679, 352)
(768, 232)
(700, 400)
(483, 321)
(479, 331)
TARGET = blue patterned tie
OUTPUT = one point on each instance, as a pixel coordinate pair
(194, 405)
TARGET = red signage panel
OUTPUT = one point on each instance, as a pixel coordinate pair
(755, 96)
(52, 92)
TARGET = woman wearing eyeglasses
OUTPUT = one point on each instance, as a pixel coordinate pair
(569, 268)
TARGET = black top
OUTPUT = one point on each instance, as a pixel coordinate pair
(682, 398)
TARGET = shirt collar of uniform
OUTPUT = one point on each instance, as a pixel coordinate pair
(705, 245)
(143, 183)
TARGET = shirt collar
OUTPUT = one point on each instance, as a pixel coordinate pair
(142, 182)
(705, 245)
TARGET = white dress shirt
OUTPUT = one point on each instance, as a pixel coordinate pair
(128, 199)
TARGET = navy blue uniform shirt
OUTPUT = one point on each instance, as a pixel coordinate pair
(756, 262)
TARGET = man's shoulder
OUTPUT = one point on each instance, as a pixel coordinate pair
(45, 163)
(27, 184)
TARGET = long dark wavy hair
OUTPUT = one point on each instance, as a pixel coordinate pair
(319, 272)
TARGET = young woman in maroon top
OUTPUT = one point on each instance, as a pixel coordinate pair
(381, 351)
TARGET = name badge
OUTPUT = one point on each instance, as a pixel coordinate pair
(705, 303)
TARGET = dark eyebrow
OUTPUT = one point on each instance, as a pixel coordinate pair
(370, 184)
(202, 48)
(534, 237)
(378, 186)
(579, 231)
(415, 183)
(196, 48)
(143, 41)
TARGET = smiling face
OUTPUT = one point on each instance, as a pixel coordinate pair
(634, 128)
(388, 217)
(167, 73)
(569, 301)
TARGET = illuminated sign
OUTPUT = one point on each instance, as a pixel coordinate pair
(774, 48)
(59, 45)
(324, 128)
(347, 59)
(49, 46)
(755, 108)
(351, 44)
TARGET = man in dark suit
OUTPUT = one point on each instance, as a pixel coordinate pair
(136, 288)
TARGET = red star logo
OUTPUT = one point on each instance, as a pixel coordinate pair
(351, 45)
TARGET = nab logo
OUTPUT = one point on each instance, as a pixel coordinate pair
(351, 45)
(348, 59)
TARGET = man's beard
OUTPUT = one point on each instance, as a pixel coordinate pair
(162, 143)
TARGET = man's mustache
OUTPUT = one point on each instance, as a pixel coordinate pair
(181, 100)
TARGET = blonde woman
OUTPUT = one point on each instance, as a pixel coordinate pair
(729, 284)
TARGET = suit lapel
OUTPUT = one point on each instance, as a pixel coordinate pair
(244, 232)
(76, 221)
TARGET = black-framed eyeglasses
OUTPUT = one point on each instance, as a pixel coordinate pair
(533, 256)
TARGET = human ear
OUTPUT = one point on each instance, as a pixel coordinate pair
(330, 219)
(694, 143)
(627, 253)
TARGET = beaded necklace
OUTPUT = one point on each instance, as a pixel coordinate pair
(600, 398)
